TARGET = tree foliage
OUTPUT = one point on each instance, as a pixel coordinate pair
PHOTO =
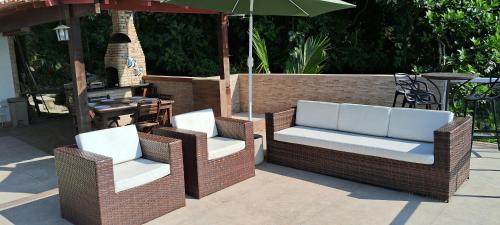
(378, 36)
(467, 34)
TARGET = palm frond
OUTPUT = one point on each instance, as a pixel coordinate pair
(259, 44)
(310, 57)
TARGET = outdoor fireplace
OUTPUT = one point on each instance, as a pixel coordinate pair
(112, 77)
(124, 60)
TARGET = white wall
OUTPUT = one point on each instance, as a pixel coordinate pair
(7, 88)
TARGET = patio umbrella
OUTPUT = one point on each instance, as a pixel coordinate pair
(307, 8)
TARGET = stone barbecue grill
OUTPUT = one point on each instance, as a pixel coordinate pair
(124, 60)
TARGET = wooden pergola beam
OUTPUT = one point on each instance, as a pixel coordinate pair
(151, 6)
(224, 64)
(37, 16)
(80, 99)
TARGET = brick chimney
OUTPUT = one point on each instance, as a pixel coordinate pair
(124, 60)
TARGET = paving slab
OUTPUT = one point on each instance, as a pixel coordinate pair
(278, 195)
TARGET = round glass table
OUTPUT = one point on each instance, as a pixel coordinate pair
(448, 78)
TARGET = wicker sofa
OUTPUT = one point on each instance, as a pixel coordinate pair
(218, 152)
(121, 178)
(420, 151)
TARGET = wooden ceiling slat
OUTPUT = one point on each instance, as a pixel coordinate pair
(18, 14)
(151, 6)
(37, 16)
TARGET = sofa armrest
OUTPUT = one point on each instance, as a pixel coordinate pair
(234, 128)
(84, 177)
(453, 143)
(279, 121)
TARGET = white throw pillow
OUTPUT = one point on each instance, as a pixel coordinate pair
(364, 119)
(200, 121)
(317, 114)
(417, 124)
(121, 143)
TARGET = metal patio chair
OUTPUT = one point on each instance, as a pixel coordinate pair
(414, 92)
(490, 96)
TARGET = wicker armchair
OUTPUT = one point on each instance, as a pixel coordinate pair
(452, 149)
(204, 176)
(87, 188)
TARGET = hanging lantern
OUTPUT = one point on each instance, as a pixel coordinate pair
(62, 32)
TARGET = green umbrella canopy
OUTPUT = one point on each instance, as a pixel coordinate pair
(268, 7)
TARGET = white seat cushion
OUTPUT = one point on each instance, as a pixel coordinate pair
(200, 121)
(138, 172)
(364, 119)
(397, 149)
(219, 147)
(317, 114)
(121, 143)
(417, 124)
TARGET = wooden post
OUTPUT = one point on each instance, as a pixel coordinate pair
(80, 106)
(224, 65)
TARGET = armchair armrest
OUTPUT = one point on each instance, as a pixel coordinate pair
(234, 128)
(159, 148)
(163, 149)
(453, 143)
(182, 134)
(194, 152)
(84, 177)
(194, 144)
(90, 167)
(279, 121)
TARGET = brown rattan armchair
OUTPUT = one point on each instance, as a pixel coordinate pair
(452, 149)
(87, 189)
(204, 176)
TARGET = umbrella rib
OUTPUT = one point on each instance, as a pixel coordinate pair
(295, 4)
(234, 7)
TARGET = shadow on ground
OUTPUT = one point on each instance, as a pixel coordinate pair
(41, 212)
(45, 134)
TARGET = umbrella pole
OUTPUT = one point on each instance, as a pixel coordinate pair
(250, 62)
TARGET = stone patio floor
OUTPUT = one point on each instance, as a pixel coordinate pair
(276, 195)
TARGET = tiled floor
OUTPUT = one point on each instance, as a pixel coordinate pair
(276, 195)
(280, 195)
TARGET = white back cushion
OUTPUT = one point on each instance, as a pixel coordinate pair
(417, 124)
(364, 119)
(317, 114)
(121, 143)
(200, 121)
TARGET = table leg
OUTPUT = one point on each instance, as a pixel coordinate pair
(169, 120)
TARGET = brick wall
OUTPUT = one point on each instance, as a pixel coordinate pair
(277, 92)
(207, 94)
(190, 93)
